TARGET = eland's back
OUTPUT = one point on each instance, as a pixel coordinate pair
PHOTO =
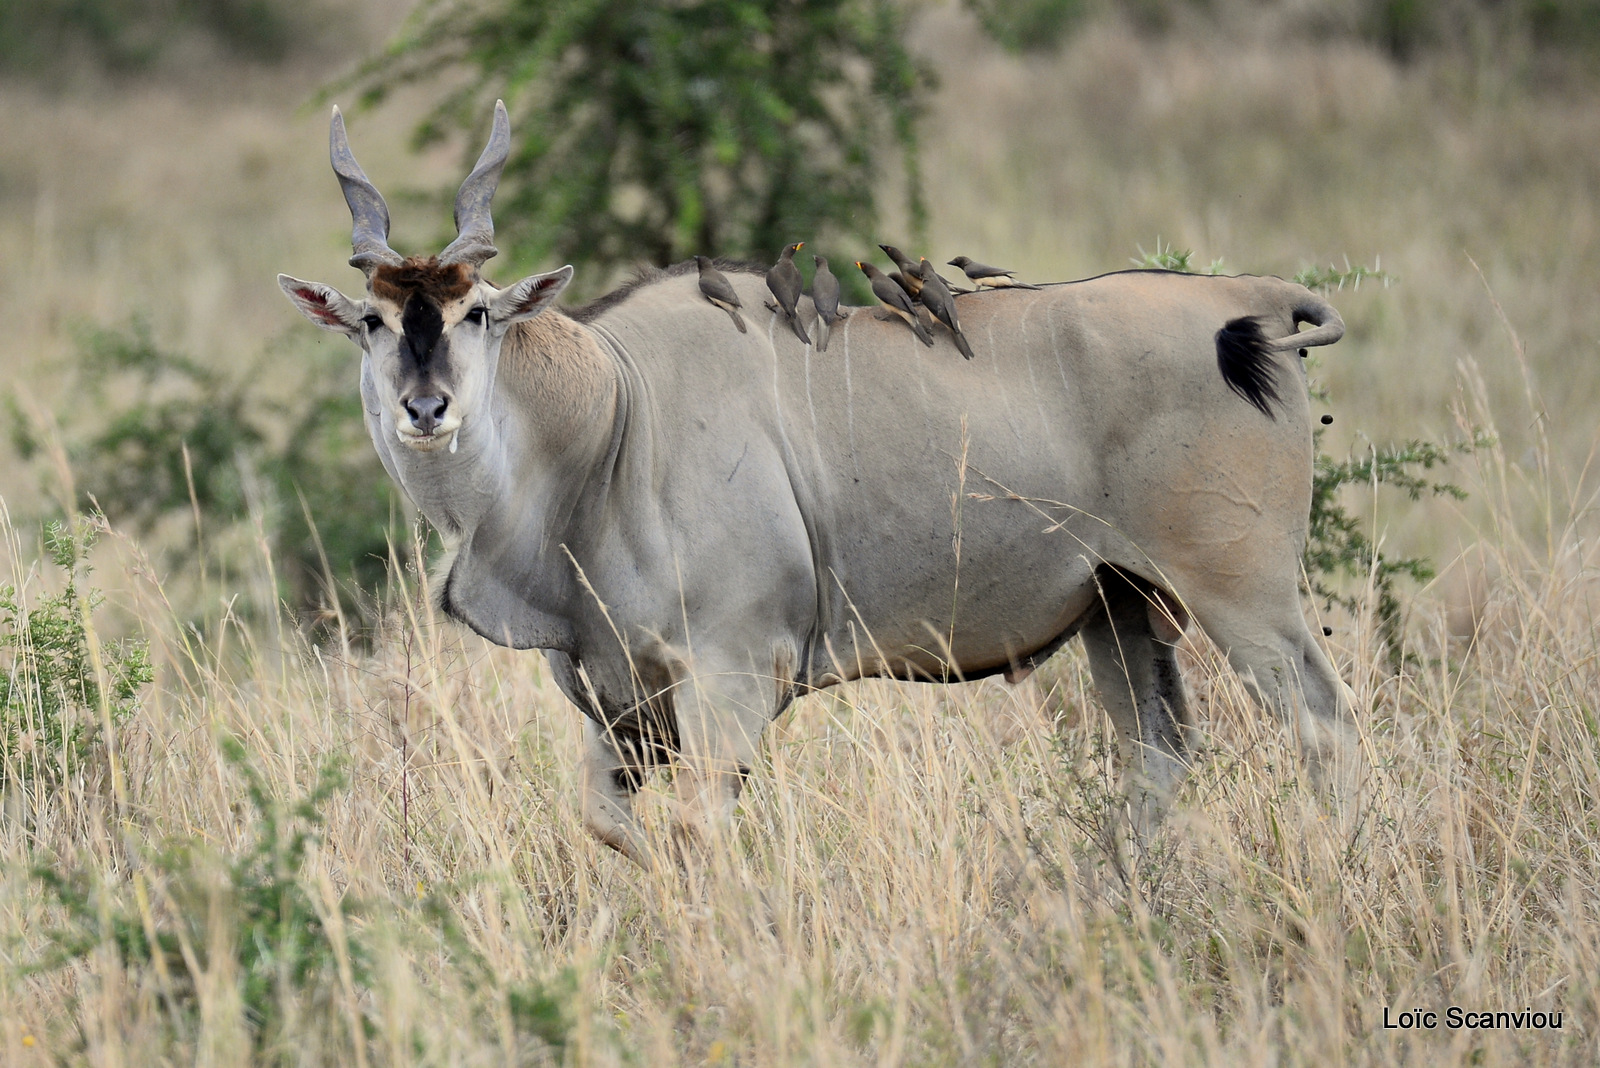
(956, 510)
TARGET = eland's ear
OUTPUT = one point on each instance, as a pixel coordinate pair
(323, 305)
(530, 296)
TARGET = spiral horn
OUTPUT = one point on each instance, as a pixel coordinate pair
(369, 234)
(474, 225)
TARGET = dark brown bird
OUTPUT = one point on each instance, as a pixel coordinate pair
(785, 282)
(911, 288)
(907, 277)
(825, 296)
(716, 288)
(896, 300)
(937, 299)
(926, 266)
(985, 277)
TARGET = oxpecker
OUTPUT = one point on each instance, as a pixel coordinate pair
(907, 277)
(719, 291)
(825, 296)
(785, 282)
(937, 299)
(896, 300)
(983, 276)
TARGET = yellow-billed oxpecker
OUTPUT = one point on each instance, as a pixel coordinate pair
(896, 300)
(937, 299)
(785, 282)
(985, 277)
(907, 277)
(715, 287)
(825, 296)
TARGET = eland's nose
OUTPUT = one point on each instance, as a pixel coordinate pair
(426, 412)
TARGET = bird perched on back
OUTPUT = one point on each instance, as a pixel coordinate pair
(825, 296)
(896, 300)
(925, 267)
(785, 282)
(716, 288)
(985, 277)
(907, 277)
(937, 299)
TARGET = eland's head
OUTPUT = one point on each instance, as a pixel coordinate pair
(430, 327)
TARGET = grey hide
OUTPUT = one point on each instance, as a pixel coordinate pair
(699, 525)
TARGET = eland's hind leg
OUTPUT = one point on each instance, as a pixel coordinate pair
(1136, 674)
(1263, 632)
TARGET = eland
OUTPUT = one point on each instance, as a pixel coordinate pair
(698, 525)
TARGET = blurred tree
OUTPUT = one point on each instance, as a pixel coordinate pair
(122, 35)
(1408, 28)
(655, 131)
(1404, 28)
(1029, 25)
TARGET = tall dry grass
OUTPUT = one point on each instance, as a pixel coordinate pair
(919, 874)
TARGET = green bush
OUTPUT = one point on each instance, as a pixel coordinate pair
(1337, 546)
(187, 912)
(1407, 29)
(652, 131)
(126, 35)
(1167, 258)
(158, 438)
(274, 930)
(54, 703)
(1029, 25)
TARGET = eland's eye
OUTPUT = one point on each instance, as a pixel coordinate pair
(475, 316)
(372, 322)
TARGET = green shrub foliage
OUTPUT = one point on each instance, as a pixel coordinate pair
(1405, 28)
(127, 35)
(161, 438)
(186, 912)
(275, 931)
(1338, 546)
(1029, 25)
(650, 131)
(54, 704)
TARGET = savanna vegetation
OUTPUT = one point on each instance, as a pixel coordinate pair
(257, 805)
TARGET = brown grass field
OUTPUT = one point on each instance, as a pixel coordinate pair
(919, 874)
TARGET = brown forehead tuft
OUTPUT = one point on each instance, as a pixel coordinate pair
(435, 281)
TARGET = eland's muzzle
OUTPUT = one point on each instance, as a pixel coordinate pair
(427, 413)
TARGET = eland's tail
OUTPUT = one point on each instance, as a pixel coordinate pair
(1327, 327)
(1244, 352)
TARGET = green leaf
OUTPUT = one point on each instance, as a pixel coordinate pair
(653, 132)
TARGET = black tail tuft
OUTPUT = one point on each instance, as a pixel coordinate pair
(1246, 363)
